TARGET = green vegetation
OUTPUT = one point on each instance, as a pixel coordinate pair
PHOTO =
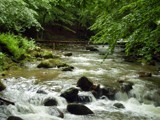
(137, 22)
(15, 46)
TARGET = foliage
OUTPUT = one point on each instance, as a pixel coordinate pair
(134, 21)
(15, 46)
(15, 15)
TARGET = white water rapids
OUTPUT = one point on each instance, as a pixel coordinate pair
(141, 103)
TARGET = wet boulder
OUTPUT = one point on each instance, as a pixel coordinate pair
(50, 102)
(85, 84)
(118, 105)
(99, 91)
(70, 94)
(144, 74)
(68, 54)
(108, 92)
(68, 68)
(91, 48)
(62, 65)
(14, 118)
(2, 86)
(78, 109)
(126, 86)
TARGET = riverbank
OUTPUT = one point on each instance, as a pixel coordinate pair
(140, 100)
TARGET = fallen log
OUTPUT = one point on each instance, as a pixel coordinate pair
(6, 102)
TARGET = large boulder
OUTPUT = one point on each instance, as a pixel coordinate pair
(70, 94)
(78, 109)
(85, 84)
(14, 118)
(50, 102)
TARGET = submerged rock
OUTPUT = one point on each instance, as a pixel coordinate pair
(144, 74)
(41, 92)
(68, 54)
(70, 94)
(119, 105)
(14, 118)
(85, 84)
(50, 102)
(130, 58)
(78, 109)
(126, 86)
(68, 68)
(108, 92)
(91, 48)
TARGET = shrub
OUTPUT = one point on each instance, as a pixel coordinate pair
(15, 46)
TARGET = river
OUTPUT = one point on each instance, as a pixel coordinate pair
(142, 102)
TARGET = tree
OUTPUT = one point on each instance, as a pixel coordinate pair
(134, 21)
(15, 15)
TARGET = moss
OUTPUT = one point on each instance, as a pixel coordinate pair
(43, 54)
(50, 63)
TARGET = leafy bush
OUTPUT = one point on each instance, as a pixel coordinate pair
(134, 21)
(15, 46)
(15, 15)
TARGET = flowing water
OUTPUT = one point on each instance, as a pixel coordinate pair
(141, 103)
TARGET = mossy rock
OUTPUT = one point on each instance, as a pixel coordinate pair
(44, 54)
(2, 86)
(50, 63)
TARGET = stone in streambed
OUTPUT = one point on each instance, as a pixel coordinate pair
(144, 74)
(126, 86)
(68, 68)
(68, 54)
(85, 84)
(118, 105)
(78, 109)
(41, 92)
(50, 102)
(70, 94)
(91, 48)
(108, 92)
(14, 118)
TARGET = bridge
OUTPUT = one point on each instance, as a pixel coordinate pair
(55, 42)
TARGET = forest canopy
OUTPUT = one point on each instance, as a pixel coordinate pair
(137, 22)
